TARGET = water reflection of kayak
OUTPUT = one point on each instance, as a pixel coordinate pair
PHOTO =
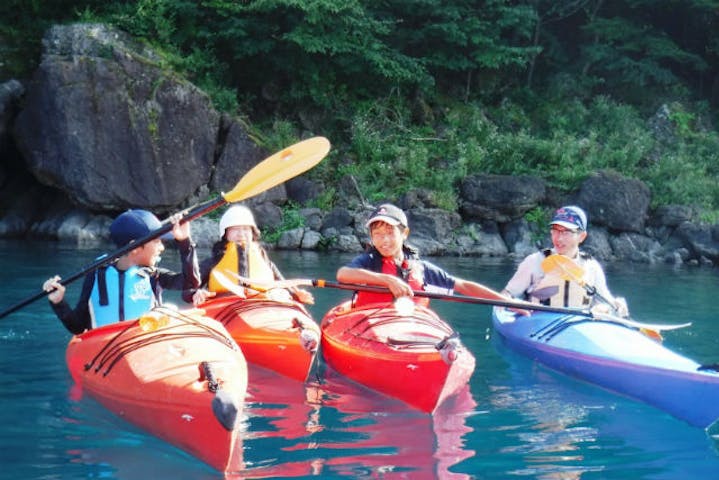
(335, 427)
(559, 427)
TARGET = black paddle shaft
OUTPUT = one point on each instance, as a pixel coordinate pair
(454, 298)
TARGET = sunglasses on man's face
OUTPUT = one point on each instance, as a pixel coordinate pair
(562, 231)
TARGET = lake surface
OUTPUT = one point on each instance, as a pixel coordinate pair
(515, 420)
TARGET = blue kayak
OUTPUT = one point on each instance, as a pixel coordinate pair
(616, 357)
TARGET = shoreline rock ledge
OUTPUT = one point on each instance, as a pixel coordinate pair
(103, 126)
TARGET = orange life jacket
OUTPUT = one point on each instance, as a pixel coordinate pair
(257, 266)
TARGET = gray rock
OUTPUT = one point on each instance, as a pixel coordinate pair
(267, 215)
(520, 237)
(238, 154)
(10, 94)
(703, 240)
(349, 194)
(337, 218)
(672, 241)
(661, 233)
(13, 224)
(98, 228)
(675, 257)
(346, 243)
(302, 190)
(672, 215)
(205, 231)
(359, 221)
(291, 239)
(429, 246)
(311, 240)
(662, 125)
(110, 126)
(312, 218)
(635, 247)
(346, 231)
(500, 198)
(487, 241)
(597, 244)
(83, 228)
(330, 232)
(417, 198)
(616, 202)
(432, 223)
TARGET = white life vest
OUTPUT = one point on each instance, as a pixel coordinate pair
(557, 292)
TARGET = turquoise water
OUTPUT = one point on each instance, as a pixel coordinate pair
(515, 420)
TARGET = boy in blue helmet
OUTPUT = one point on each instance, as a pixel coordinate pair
(133, 284)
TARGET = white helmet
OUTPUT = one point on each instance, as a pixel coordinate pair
(235, 216)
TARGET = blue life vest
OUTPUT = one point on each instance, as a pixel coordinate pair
(119, 295)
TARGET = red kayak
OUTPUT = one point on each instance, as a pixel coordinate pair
(175, 374)
(279, 335)
(413, 356)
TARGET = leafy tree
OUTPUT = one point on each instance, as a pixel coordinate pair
(634, 48)
(547, 12)
(456, 39)
(629, 55)
(22, 24)
(293, 50)
(325, 51)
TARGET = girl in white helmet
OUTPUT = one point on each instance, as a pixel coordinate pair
(239, 253)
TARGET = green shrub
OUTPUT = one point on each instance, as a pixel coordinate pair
(291, 219)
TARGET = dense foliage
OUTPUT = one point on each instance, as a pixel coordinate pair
(437, 89)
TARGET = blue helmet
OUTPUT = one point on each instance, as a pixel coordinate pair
(133, 225)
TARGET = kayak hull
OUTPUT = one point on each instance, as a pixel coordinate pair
(277, 335)
(617, 358)
(161, 378)
(415, 357)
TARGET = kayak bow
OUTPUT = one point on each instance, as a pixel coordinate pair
(415, 357)
(279, 335)
(176, 375)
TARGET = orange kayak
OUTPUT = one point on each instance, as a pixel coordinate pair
(413, 356)
(175, 374)
(275, 334)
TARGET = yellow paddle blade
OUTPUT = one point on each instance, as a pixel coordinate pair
(563, 267)
(653, 334)
(280, 167)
